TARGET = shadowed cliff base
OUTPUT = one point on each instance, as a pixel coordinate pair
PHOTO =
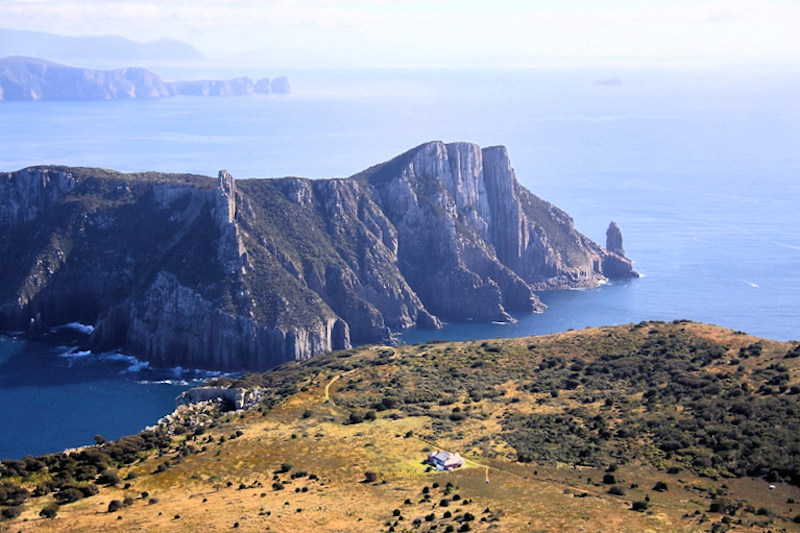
(183, 270)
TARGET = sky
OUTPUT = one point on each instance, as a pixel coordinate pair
(513, 33)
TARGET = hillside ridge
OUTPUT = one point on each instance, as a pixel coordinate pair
(655, 426)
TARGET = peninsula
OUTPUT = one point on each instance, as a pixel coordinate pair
(185, 270)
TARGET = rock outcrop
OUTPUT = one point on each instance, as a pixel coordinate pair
(614, 239)
(615, 264)
(247, 274)
(231, 398)
(280, 85)
(234, 87)
(26, 78)
(33, 191)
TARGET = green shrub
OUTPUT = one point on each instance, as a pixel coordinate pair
(88, 490)
(11, 512)
(640, 506)
(69, 495)
(49, 511)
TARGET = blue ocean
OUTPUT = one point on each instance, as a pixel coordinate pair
(699, 165)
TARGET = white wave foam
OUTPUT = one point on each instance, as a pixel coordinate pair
(180, 382)
(134, 365)
(86, 329)
(116, 356)
(74, 353)
(138, 366)
(209, 373)
(789, 246)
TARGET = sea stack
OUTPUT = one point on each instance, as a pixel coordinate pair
(615, 264)
(614, 239)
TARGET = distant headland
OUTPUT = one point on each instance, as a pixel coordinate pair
(28, 78)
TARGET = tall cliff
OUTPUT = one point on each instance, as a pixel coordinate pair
(247, 274)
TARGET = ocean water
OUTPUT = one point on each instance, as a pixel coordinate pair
(56, 397)
(699, 165)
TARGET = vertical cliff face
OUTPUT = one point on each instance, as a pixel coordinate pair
(231, 275)
(446, 213)
(171, 325)
(474, 244)
(27, 193)
(231, 253)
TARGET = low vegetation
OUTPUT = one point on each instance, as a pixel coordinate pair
(653, 426)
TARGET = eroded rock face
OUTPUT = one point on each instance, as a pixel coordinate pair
(27, 193)
(231, 253)
(173, 325)
(232, 275)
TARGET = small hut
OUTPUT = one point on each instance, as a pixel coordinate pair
(442, 460)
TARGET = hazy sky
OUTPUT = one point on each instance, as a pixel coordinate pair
(435, 32)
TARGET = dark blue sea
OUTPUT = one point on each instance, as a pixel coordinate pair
(699, 165)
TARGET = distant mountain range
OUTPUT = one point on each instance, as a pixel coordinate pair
(93, 49)
(28, 78)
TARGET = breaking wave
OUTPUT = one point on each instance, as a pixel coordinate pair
(86, 329)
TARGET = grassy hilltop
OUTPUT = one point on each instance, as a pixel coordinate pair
(647, 427)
